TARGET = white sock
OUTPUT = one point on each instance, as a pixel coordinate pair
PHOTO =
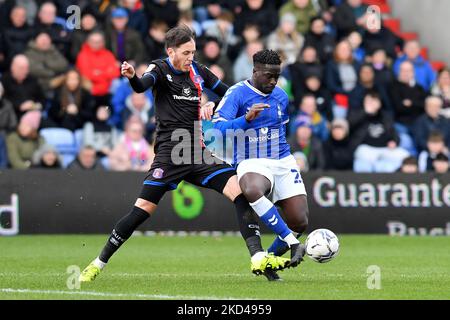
(259, 255)
(290, 239)
(98, 263)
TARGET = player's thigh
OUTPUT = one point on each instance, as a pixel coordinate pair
(162, 177)
(255, 177)
(218, 177)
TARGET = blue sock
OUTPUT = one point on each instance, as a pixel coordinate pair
(278, 247)
(270, 216)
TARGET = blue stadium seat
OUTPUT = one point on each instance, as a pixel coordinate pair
(64, 142)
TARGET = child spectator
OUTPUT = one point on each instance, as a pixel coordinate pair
(435, 146)
(46, 157)
(409, 165)
(139, 105)
(132, 152)
(308, 108)
(441, 164)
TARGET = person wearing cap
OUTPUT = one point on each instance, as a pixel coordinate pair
(338, 148)
(46, 157)
(125, 43)
(25, 141)
(286, 39)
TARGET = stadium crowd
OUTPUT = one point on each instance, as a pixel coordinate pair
(362, 99)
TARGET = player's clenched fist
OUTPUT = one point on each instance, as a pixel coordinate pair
(127, 70)
(255, 110)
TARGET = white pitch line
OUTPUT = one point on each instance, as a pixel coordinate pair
(120, 274)
(117, 295)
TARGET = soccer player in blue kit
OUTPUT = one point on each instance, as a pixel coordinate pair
(258, 108)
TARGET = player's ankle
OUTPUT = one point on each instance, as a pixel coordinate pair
(99, 263)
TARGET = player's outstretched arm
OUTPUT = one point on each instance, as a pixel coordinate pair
(242, 122)
(138, 84)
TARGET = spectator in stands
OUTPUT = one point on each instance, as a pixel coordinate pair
(375, 39)
(8, 119)
(338, 148)
(211, 54)
(324, 100)
(301, 161)
(366, 83)
(88, 24)
(3, 153)
(125, 43)
(349, 16)
(441, 164)
(86, 160)
(303, 10)
(441, 88)
(409, 165)
(46, 22)
(260, 12)
(154, 40)
(342, 71)
(187, 18)
(384, 76)
(308, 108)
(136, 16)
(320, 40)
(46, 62)
(408, 100)
(100, 9)
(304, 141)
(25, 141)
(162, 9)
(6, 7)
(22, 89)
(46, 157)
(372, 130)
(435, 146)
(250, 34)
(18, 34)
(222, 29)
(73, 104)
(307, 64)
(132, 152)
(138, 104)
(99, 134)
(423, 71)
(431, 121)
(286, 39)
(243, 67)
(121, 94)
(355, 40)
(99, 66)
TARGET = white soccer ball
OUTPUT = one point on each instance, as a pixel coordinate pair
(322, 245)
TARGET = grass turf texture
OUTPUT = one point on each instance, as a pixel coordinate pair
(219, 268)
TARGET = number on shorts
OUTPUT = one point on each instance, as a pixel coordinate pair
(297, 176)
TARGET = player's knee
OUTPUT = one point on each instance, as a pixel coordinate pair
(145, 205)
(252, 192)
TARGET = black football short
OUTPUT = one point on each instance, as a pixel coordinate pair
(163, 177)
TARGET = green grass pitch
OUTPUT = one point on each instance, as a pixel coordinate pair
(195, 267)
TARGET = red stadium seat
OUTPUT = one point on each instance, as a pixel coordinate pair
(438, 65)
(424, 52)
(393, 24)
(409, 36)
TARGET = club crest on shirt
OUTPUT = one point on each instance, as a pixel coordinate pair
(158, 173)
(187, 91)
(198, 79)
(169, 77)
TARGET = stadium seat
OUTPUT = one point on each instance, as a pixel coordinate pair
(64, 142)
(78, 135)
(393, 24)
(438, 65)
(407, 36)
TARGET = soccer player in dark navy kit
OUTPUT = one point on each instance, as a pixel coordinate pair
(177, 83)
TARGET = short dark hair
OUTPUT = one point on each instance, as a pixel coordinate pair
(267, 56)
(409, 161)
(179, 35)
(435, 136)
(373, 94)
(441, 157)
